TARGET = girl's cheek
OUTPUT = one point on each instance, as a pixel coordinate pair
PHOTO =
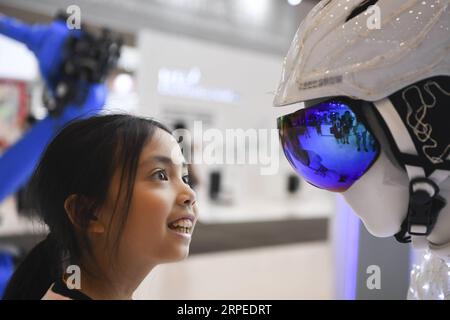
(158, 201)
(148, 214)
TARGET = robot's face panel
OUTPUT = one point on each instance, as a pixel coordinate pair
(380, 197)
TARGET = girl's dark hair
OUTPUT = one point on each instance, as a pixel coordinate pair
(80, 160)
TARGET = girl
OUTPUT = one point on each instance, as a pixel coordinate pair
(114, 192)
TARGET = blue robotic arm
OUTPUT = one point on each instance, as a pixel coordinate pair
(18, 162)
(45, 41)
(50, 44)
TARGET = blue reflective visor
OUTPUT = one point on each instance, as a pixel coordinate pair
(329, 144)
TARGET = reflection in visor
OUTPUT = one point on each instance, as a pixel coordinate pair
(328, 145)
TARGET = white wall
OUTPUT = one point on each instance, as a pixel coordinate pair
(16, 61)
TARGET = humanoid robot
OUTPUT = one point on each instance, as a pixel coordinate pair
(387, 63)
(73, 64)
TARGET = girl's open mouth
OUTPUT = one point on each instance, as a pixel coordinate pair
(182, 226)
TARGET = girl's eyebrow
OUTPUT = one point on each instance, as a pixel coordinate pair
(164, 160)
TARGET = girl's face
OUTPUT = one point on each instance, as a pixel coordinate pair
(161, 197)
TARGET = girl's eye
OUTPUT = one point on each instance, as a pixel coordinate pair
(187, 179)
(160, 175)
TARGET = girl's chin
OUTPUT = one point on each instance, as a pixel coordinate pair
(179, 254)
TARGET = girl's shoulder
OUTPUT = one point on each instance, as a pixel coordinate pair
(60, 291)
(51, 295)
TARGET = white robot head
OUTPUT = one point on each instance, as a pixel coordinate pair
(387, 63)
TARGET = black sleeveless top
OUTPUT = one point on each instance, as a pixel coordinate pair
(61, 288)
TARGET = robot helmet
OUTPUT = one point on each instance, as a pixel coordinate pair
(366, 49)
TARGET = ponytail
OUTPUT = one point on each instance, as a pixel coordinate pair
(36, 273)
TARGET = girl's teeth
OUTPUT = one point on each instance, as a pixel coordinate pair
(182, 229)
(185, 223)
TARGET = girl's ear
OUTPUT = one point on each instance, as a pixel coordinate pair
(79, 211)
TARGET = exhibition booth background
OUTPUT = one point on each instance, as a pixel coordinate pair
(260, 236)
